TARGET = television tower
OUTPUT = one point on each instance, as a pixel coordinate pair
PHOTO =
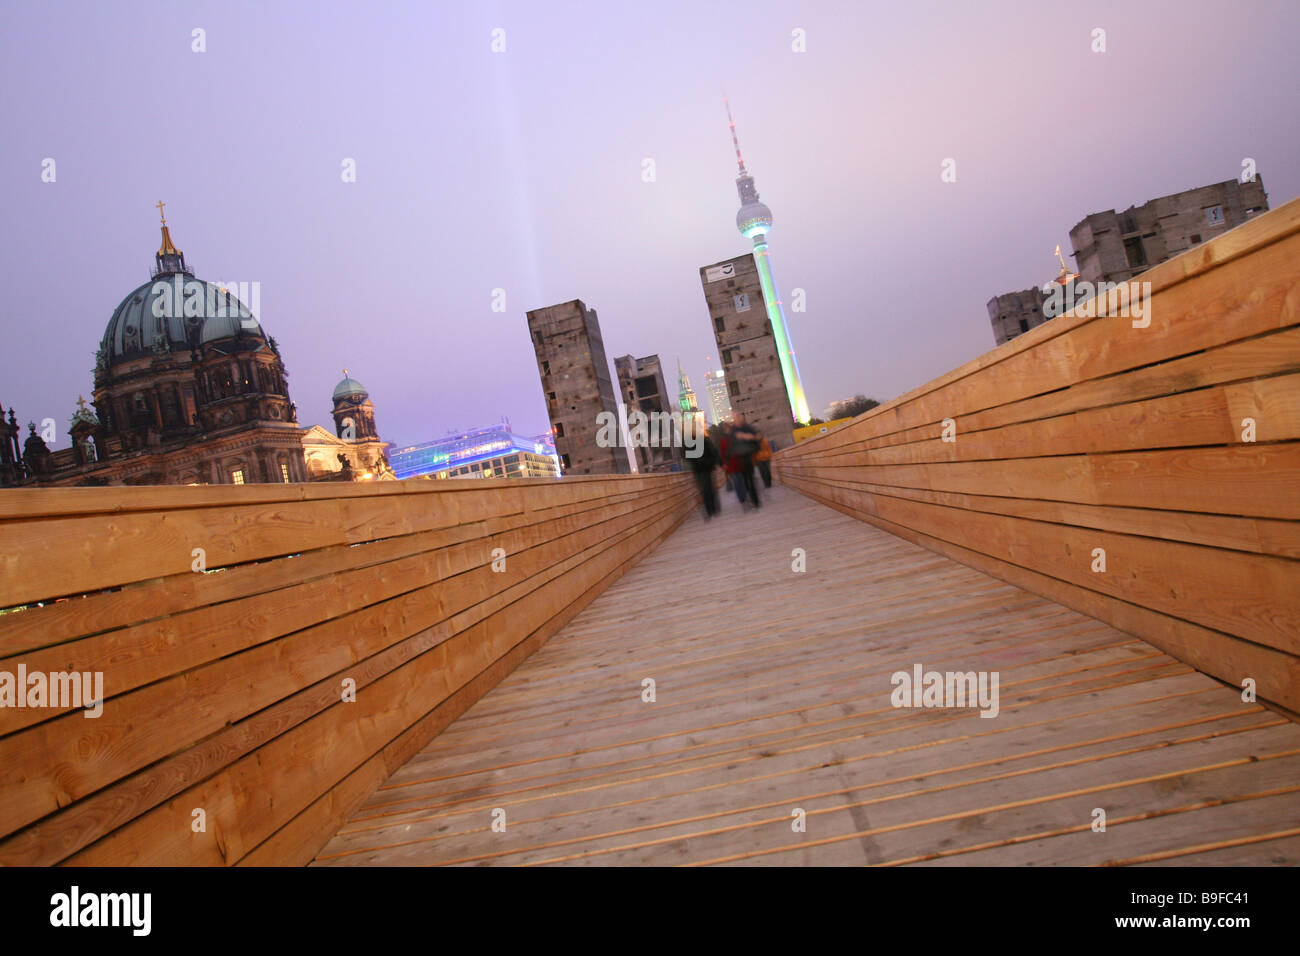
(754, 220)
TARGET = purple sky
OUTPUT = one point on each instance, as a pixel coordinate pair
(523, 171)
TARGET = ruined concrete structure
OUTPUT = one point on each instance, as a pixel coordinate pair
(575, 380)
(747, 348)
(642, 387)
(1015, 312)
(1115, 247)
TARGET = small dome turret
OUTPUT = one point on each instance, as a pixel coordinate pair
(348, 388)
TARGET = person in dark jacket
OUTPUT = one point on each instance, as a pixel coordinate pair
(703, 465)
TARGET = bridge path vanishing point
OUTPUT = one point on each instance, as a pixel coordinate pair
(773, 693)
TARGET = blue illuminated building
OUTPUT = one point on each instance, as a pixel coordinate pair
(493, 451)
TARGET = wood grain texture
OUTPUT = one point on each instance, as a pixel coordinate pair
(223, 691)
(1173, 450)
(772, 692)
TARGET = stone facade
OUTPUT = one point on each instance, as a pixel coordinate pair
(641, 386)
(1015, 312)
(1115, 247)
(330, 458)
(188, 389)
(575, 380)
(355, 451)
(747, 347)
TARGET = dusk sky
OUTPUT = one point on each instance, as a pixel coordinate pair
(522, 170)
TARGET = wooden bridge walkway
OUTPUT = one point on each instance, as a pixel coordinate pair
(772, 694)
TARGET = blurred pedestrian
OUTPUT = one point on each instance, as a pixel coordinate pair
(738, 448)
(724, 441)
(763, 459)
(703, 464)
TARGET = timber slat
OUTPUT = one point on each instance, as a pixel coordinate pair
(226, 684)
(772, 708)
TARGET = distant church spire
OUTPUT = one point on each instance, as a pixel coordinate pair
(685, 394)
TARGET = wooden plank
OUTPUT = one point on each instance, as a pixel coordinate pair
(88, 819)
(148, 600)
(83, 553)
(53, 763)
(1237, 362)
(1276, 673)
(1256, 535)
(1256, 597)
(1208, 416)
(1261, 481)
(314, 756)
(589, 773)
(25, 503)
(135, 656)
(299, 840)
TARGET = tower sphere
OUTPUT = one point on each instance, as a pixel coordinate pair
(753, 219)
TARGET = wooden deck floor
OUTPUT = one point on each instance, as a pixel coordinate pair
(773, 693)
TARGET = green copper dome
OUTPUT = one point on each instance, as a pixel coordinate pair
(349, 387)
(157, 316)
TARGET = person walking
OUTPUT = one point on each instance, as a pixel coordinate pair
(763, 459)
(738, 448)
(724, 442)
(702, 466)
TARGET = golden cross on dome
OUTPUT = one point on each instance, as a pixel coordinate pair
(159, 204)
(81, 403)
(345, 373)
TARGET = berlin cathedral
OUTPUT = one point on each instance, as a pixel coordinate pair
(190, 390)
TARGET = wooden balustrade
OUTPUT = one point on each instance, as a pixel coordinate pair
(1167, 444)
(230, 624)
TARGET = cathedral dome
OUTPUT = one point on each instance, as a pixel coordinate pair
(172, 312)
(349, 387)
(143, 322)
(156, 317)
(227, 322)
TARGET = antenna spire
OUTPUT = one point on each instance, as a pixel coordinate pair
(740, 160)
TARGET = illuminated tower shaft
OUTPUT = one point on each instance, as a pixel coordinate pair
(754, 220)
(784, 348)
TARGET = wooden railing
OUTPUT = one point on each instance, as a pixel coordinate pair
(1164, 446)
(270, 654)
